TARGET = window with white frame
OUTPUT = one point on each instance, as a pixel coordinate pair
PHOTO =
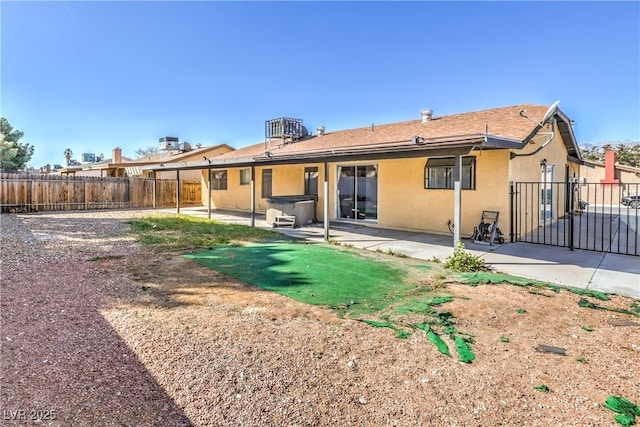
(439, 173)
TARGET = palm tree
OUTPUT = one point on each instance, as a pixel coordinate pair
(67, 155)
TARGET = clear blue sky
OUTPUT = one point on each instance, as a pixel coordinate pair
(95, 75)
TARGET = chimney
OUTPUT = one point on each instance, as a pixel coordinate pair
(320, 130)
(427, 115)
(116, 155)
(609, 168)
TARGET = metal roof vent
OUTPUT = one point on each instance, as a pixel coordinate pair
(320, 130)
(427, 115)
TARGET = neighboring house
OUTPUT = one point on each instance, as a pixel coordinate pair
(119, 166)
(614, 180)
(103, 168)
(401, 175)
(596, 172)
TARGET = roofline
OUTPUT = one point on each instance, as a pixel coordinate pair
(627, 168)
(566, 131)
(138, 162)
(449, 146)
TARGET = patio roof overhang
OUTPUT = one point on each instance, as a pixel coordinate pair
(441, 147)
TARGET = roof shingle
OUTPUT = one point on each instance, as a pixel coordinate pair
(506, 122)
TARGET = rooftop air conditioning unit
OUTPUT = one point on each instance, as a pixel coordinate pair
(169, 143)
(284, 127)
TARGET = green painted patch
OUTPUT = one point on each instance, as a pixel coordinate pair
(377, 324)
(579, 291)
(542, 294)
(353, 284)
(312, 273)
(626, 410)
(521, 311)
(435, 339)
(488, 277)
(585, 303)
(183, 232)
(420, 305)
(463, 349)
(543, 388)
(589, 293)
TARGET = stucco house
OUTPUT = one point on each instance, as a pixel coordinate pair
(401, 175)
(615, 180)
(119, 166)
(609, 171)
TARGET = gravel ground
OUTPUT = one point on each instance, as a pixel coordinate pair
(97, 330)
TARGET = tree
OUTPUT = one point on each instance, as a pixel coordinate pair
(13, 154)
(146, 152)
(627, 153)
(67, 155)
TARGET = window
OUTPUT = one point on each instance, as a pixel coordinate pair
(439, 173)
(219, 180)
(311, 181)
(267, 176)
(245, 176)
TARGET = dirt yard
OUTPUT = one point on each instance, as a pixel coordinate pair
(97, 330)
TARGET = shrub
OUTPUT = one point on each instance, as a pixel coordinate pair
(463, 261)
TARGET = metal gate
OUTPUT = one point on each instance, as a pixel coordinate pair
(591, 216)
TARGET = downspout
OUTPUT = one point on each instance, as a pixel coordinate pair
(513, 155)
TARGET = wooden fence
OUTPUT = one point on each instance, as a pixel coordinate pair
(26, 193)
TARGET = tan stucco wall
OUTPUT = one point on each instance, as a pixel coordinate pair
(523, 169)
(527, 168)
(404, 203)
(286, 181)
(235, 197)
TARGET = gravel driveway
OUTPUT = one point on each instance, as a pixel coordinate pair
(97, 330)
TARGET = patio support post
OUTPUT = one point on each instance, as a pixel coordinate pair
(178, 191)
(325, 194)
(209, 191)
(572, 193)
(253, 196)
(457, 199)
(155, 197)
(512, 198)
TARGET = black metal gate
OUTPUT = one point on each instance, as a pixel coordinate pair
(590, 216)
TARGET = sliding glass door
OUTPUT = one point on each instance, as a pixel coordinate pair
(358, 192)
